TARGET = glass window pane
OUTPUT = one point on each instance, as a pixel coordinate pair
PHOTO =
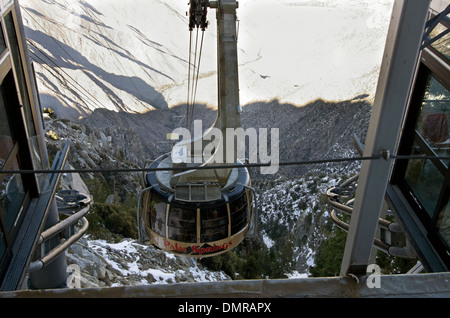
(182, 225)
(239, 214)
(157, 215)
(20, 74)
(425, 180)
(443, 43)
(6, 140)
(11, 197)
(443, 224)
(2, 40)
(6, 145)
(434, 122)
(2, 245)
(214, 223)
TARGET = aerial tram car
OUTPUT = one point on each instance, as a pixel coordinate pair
(202, 208)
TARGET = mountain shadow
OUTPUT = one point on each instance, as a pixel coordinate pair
(64, 56)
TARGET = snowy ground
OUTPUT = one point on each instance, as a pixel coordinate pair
(134, 57)
(129, 263)
(132, 250)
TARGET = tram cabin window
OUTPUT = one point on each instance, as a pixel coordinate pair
(157, 215)
(182, 224)
(214, 225)
(239, 213)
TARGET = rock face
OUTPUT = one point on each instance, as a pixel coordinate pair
(129, 263)
(100, 148)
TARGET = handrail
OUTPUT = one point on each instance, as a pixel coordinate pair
(46, 235)
(62, 225)
(254, 216)
(348, 210)
(333, 197)
(382, 223)
(344, 226)
(39, 264)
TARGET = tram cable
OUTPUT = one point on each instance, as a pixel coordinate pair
(243, 165)
(189, 81)
(197, 76)
(193, 76)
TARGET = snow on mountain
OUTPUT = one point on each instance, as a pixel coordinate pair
(311, 49)
(136, 265)
(108, 56)
(133, 57)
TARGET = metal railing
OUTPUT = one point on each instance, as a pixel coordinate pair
(64, 232)
(70, 238)
(392, 240)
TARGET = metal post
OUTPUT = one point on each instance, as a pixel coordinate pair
(396, 73)
(54, 274)
(229, 109)
(228, 79)
(227, 64)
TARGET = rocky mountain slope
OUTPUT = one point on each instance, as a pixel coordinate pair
(115, 77)
(290, 208)
(121, 68)
(128, 263)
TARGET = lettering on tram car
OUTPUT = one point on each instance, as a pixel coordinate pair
(195, 249)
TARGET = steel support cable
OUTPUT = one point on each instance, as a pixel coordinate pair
(195, 65)
(193, 80)
(191, 66)
(191, 98)
(225, 166)
(198, 71)
(189, 80)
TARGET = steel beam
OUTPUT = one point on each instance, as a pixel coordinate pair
(434, 285)
(394, 83)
